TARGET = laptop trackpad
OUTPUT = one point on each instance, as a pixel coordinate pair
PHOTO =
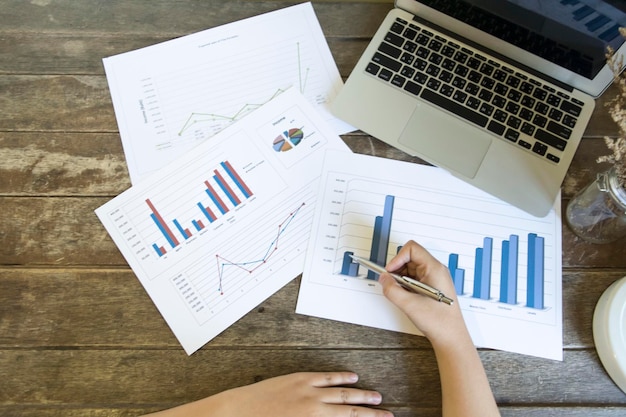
(445, 141)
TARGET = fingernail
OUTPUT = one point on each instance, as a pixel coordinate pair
(375, 399)
(353, 378)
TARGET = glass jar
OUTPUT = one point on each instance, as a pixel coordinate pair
(598, 213)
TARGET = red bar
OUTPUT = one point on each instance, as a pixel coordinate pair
(236, 175)
(160, 219)
(228, 189)
(223, 207)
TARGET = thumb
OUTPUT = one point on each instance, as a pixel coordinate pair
(394, 291)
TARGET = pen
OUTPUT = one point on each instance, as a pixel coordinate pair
(408, 283)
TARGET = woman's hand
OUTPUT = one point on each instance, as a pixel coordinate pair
(438, 321)
(315, 394)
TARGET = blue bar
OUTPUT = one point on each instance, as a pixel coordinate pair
(180, 229)
(535, 286)
(482, 270)
(196, 225)
(236, 179)
(478, 273)
(382, 234)
(349, 267)
(378, 224)
(459, 280)
(385, 232)
(162, 229)
(157, 249)
(458, 275)
(508, 275)
(224, 188)
(216, 201)
(205, 212)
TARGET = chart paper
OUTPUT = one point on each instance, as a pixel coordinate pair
(220, 229)
(173, 95)
(506, 264)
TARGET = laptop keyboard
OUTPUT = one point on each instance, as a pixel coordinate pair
(486, 92)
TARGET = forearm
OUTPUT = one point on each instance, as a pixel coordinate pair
(465, 388)
(206, 407)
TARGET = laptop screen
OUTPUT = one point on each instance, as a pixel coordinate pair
(573, 34)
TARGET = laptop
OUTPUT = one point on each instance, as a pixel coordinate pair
(498, 93)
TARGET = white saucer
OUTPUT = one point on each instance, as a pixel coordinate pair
(609, 331)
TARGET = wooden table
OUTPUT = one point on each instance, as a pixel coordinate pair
(79, 335)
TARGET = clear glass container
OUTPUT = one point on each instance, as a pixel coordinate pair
(598, 213)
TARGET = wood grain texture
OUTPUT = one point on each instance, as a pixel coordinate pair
(61, 307)
(78, 333)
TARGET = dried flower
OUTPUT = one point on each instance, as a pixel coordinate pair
(617, 111)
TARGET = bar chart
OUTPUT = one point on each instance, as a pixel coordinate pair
(215, 233)
(224, 192)
(483, 264)
(505, 265)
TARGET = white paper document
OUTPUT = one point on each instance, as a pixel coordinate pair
(506, 264)
(223, 227)
(171, 96)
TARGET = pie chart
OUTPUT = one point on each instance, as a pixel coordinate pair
(288, 140)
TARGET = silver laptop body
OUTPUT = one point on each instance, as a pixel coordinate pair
(406, 106)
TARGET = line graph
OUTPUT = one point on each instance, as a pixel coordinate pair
(302, 82)
(170, 96)
(221, 278)
(251, 266)
(198, 118)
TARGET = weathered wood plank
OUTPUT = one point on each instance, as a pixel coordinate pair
(404, 377)
(50, 163)
(61, 103)
(36, 312)
(177, 18)
(57, 231)
(93, 164)
(69, 54)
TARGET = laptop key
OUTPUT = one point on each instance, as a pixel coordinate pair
(410, 33)
(550, 139)
(397, 27)
(559, 130)
(390, 50)
(511, 135)
(540, 148)
(571, 108)
(398, 80)
(413, 88)
(385, 74)
(372, 68)
(495, 127)
(553, 158)
(454, 107)
(394, 39)
(387, 62)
